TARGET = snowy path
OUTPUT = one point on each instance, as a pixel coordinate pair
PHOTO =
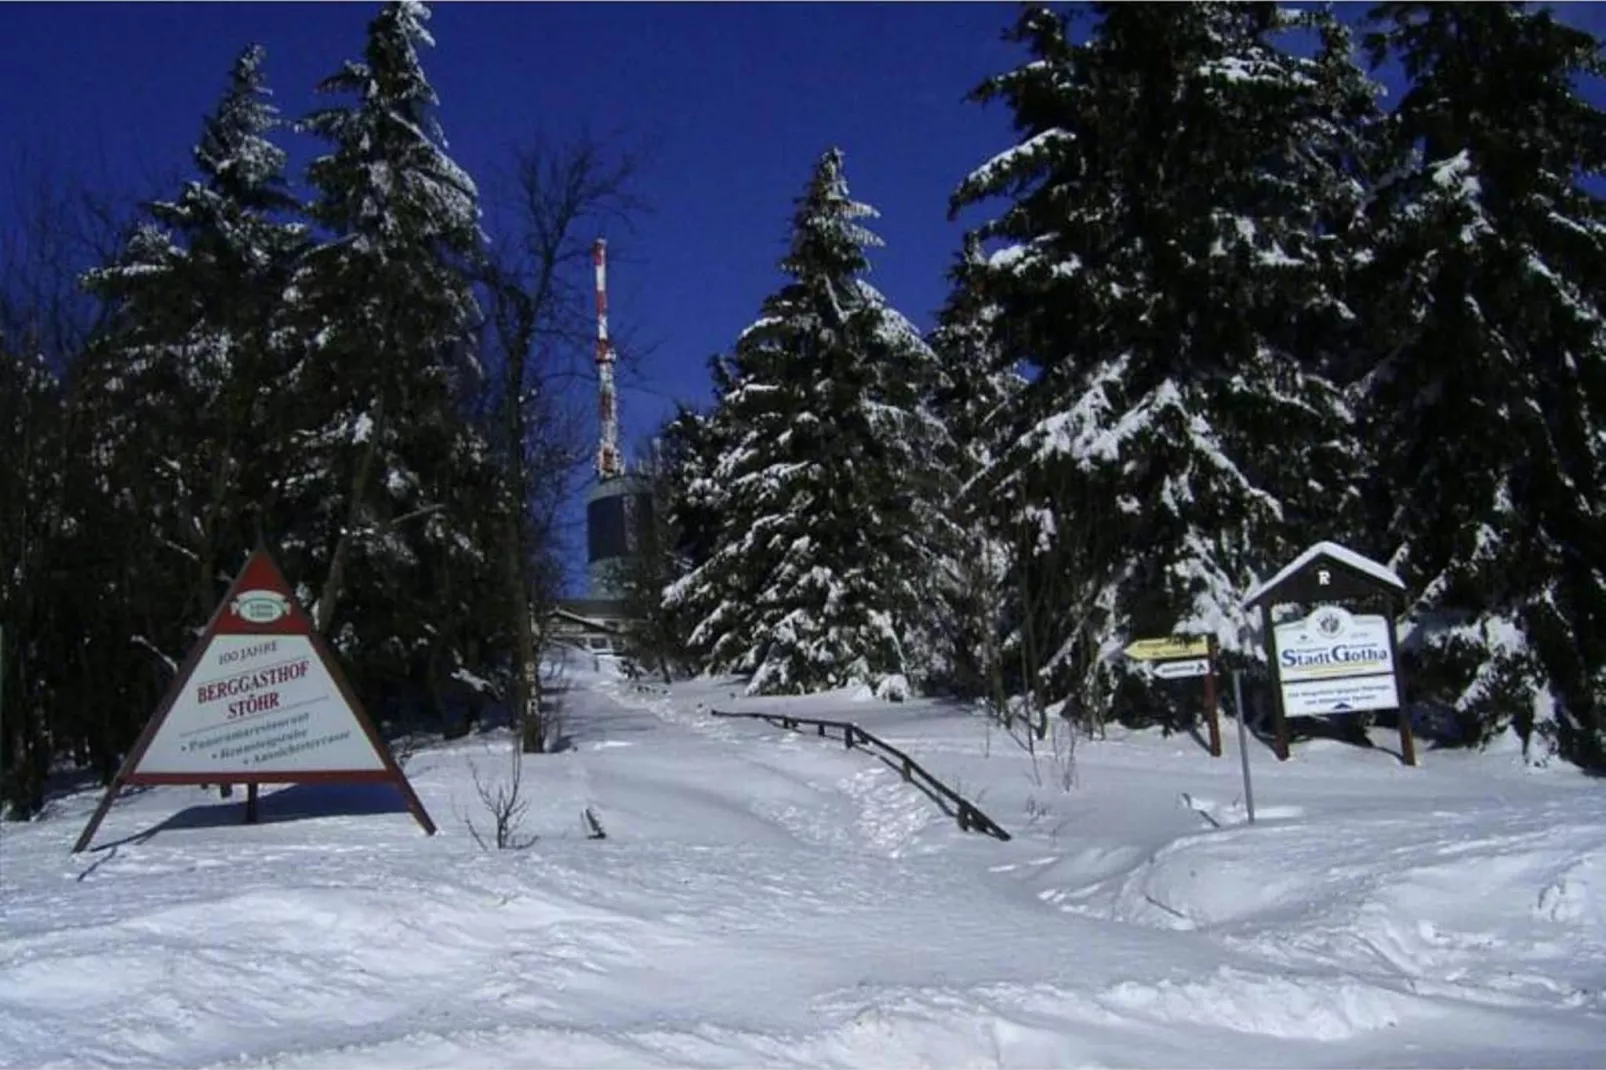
(766, 898)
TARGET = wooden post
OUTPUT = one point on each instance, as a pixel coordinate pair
(1279, 716)
(847, 736)
(1407, 743)
(1212, 714)
(908, 773)
(100, 812)
(822, 730)
(251, 803)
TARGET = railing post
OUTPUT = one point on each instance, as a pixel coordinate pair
(847, 736)
(908, 772)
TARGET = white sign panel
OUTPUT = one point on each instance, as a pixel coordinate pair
(1334, 661)
(1340, 695)
(1178, 670)
(1332, 642)
(260, 704)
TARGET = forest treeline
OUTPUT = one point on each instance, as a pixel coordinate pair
(1222, 302)
(358, 378)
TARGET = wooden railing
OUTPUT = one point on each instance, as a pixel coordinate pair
(970, 818)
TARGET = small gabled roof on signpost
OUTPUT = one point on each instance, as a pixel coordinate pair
(1325, 572)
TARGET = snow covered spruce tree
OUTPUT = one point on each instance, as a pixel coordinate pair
(693, 443)
(827, 534)
(685, 519)
(1486, 403)
(977, 391)
(656, 636)
(1168, 263)
(178, 411)
(389, 506)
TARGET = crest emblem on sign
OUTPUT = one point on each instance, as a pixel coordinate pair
(1330, 621)
(260, 607)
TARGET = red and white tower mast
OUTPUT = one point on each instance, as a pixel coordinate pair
(610, 463)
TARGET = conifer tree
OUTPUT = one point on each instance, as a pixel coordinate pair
(1174, 240)
(1486, 401)
(394, 478)
(824, 489)
(693, 444)
(656, 635)
(31, 422)
(976, 393)
(178, 411)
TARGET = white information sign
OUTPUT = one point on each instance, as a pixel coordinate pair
(1180, 670)
(1333, 662)
(260, 704)
(1333, 642)
(1341, 695)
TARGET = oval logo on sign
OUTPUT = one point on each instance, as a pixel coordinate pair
(261, 607)
(1330, 621)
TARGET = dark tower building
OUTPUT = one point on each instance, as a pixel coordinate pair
(615, 509)
(616, 504)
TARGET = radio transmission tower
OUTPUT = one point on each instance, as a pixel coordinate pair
(610, 463)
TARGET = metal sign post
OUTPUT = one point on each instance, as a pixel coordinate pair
(1243, 742)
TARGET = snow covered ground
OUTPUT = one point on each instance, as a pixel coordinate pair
(766, 898)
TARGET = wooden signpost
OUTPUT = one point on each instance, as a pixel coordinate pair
(1180, 658)
(258, 701)
(1334, 660)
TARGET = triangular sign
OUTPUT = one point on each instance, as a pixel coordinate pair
(259, 700)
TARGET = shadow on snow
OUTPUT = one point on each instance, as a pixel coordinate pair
(294, 802)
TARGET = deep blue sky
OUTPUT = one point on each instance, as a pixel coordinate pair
(737, 100)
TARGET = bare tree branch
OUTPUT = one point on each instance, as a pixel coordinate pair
(556, 197)
(61, 225)
(504, 798)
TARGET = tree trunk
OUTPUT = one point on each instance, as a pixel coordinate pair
(335, 580)
(207, 548)
(527, 680)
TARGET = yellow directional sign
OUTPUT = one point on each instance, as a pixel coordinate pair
(1167, 648)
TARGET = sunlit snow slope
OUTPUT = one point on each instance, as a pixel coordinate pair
(765, 898)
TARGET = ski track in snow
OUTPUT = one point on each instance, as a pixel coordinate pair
(767, 897)
(888, 813)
